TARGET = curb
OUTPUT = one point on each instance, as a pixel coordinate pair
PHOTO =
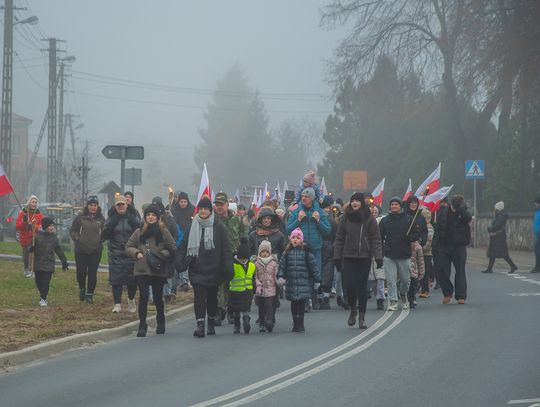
(56, 346)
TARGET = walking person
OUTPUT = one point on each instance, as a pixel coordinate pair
(118, 229)
(183, 212)
(536, 232)
(358, 241)
(86, 234)
(46, 244)
(152, 248)
(205, 251)
(300, 274)
(266, 288)
(377, 276)
(451, 238)
(428, 257)
(497, 248)
(131, 209)
(241, 288)
(28, 224)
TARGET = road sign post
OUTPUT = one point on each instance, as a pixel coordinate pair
(123, 153)
(475, 170)
(133, 176)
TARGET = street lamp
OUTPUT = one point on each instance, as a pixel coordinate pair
(33, 20)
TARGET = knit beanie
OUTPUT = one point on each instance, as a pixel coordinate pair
(265, 245)
(327, 201)
(205, 202)
(357, 196)
(183, 195)
(309, 178)
(499, 206)
(92, 199)
(152, 208)
(46, 222)
(297, 233)
(395, 199)
(310, 192)
(243, 249)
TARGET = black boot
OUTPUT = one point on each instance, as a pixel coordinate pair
(487, 271)
(361, 321)
(352, 317)
(269, 325)
(211, 326)
(380, 304)
(160, 320)
(301, 324)
(141, 333)
(199, 332)
(325, 303)
(89, 298)
(82, 293)
(236, 322)
(295, 323)
(246, 324)
(217, 318)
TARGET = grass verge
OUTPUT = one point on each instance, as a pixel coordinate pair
(25, 323)
(15, 248)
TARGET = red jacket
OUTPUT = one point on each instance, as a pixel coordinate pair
(29, 227)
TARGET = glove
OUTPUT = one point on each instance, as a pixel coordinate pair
(316, 286)
(25, 218)
(281, 282)
(65, 266)
(339, 265)
(258, 291)
(31, 249)
(379, 263)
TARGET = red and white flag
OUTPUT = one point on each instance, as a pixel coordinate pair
(324, 190)
(433, 201)
(204, 187)
(5, 186)
(378, 193)
(408, 192)
(431, 184)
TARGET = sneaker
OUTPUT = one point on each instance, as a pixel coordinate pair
(424, 294)
(487, 271)
(132, 307)
(536, 270)
(405, 304)
(27, 273)
(446, 300)
(380, 304)
(393, 306)
(512, 270)
(42, 303)
(461, 301)
(117, 308)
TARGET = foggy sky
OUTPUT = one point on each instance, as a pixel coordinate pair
(278, 43)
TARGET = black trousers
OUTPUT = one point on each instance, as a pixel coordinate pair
(86, 266)
(506, 258)
(537, 254)
(355, 275)
(144, 283)
(428, 263)
(298, 308)
(118, 289)
(205, 301)
(26, 257)
(457, 256)
(266, 309)
(43, 280)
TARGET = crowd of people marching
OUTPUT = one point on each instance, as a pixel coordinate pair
(233, 256)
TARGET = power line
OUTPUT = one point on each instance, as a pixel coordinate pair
(27, 72)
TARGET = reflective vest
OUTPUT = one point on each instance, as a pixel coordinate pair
(242, 280)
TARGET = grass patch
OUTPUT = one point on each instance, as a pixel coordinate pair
(15, 248)
(25, 323)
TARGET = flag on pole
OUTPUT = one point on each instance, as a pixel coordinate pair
(324, 190)
(432, 182)
(408, 192)
(266, 195)
(204, 187)
(255, 197)
(260, 199)
(378, 193)
(278, 192)
(433, 201)
(237, 196)
(285, 186)
(5, 186)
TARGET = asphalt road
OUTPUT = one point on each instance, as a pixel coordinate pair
(484, 353)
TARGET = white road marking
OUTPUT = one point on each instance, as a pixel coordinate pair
(301, 366)
(524, 401)
(318, 369)
(524, 294)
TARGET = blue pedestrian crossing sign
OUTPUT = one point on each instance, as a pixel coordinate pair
(475, 169)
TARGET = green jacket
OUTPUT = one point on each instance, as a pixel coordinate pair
(235, 230)
(45, 246)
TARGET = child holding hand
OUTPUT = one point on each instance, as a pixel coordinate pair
(265, 280)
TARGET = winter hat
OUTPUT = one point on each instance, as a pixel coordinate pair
(120, 199)
(205, 202)
(297, 233)
(92, 199)
(46, 222)
(309, 178)
(327, 201)
(152, 208)
(30, 198)
(157, 201)
(183, 195)
(395, 199)
(310, 192)
(357, 196)
(265, 245)
(243, 250)
(499, 206)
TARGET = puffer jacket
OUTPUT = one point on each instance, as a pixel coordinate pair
(118, 229)
(418, 267)
(86, 232)
(298, 267)
(165, 248)
(276, 238)
(452, 228)
(265, 277)
(27, 229)
(396, 242)
(313, 231)
(44, 248)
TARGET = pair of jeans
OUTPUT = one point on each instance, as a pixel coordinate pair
(456, 255)
(86, 266)
(43, 280)
(355, 274)
(26, 257)
(377, 287)
(205, 301)
(118, 289)
(537, 253)
(172, 283)
(398, 273)
(144, 283)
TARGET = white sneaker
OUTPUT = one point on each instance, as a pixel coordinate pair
(405, 305)
(393, 306)
(117, 308)
(132, 307)
(28, 273)
(42, 303)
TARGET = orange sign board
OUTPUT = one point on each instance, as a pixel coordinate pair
(354, 180)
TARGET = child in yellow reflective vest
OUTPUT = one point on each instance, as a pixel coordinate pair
(241, 287)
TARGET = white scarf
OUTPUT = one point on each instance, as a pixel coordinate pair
(195, 234)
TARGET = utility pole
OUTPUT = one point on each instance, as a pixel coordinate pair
(84, 174)
(51, 133)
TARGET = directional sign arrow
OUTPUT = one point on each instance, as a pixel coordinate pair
(113, 152)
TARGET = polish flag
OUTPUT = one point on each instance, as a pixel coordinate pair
(266, 194)
(378, 193)
(255, 197)
(433, 201)
(431, 184)
(408, 193)
(324, 190)
(204, 187)
(5, 185)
